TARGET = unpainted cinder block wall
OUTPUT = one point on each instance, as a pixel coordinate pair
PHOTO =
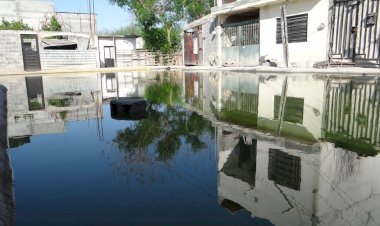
(10, 51)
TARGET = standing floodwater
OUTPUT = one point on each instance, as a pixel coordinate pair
(220, 148)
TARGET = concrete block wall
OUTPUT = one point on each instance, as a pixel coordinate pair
(77, 22)
(210, 42)
(10, 51)
(55, 59)
(32, 13)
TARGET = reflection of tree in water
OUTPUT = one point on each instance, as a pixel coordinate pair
(161, 134)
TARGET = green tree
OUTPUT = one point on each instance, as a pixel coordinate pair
(52, 25)
(197, 9)
(132, 29)
(160, 20)
(14, 25)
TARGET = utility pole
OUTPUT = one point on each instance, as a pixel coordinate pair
(284, 32)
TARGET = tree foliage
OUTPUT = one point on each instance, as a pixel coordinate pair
(52, 25)
(165, 125)
(14, 25)
(160, 20)
(197, 9)
(131, 29)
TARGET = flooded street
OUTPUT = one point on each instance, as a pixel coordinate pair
(211, 148)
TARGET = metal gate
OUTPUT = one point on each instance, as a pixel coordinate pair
(241, 43)
(355, 30)
(191, 48)
(30, 52)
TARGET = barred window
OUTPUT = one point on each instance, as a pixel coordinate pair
(297, 29)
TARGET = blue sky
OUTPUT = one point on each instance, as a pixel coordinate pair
(108, 16)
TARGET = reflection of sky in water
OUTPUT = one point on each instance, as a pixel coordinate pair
(74, 177)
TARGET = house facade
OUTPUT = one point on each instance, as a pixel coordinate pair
(251, 33)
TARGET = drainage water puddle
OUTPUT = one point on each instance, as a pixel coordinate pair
(220, 148)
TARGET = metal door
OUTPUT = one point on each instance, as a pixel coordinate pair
(191, 48)
(30, 52)
(355, 30)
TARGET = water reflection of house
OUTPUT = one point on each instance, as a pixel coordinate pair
(193, 89)
(42, 104)
(294, 103)
(249, 32)
(353, 109)
(305, 107)
(124, 84)
(257, 101)
(289, 184)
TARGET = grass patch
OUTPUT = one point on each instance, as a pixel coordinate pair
(293, 109)
(355, 145)
(238, 117)
(65, 102)
(289, 130)
(63, 115)
(35, 105)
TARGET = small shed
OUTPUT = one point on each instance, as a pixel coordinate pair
(113, 47)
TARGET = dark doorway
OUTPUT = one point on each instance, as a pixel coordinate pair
(30, 52)
(109, 56)
(35, 92)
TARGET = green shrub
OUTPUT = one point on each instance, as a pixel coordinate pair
(53, 25)
(15, 25)
(59, 102)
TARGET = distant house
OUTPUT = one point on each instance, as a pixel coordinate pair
(73, 47)
(117, 50)
(249, 33)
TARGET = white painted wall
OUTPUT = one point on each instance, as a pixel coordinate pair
(122, 46)
(125, 44)
(303, 54)
(300, 86)
(105, 41)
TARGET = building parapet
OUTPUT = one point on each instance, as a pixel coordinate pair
(242, 5)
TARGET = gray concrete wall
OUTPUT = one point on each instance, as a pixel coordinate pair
(6, 181)
(37, 12)
(77, 22)
(11, 57)
(53, 59)
(10, 51)
(210, 42)
(32, 12)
